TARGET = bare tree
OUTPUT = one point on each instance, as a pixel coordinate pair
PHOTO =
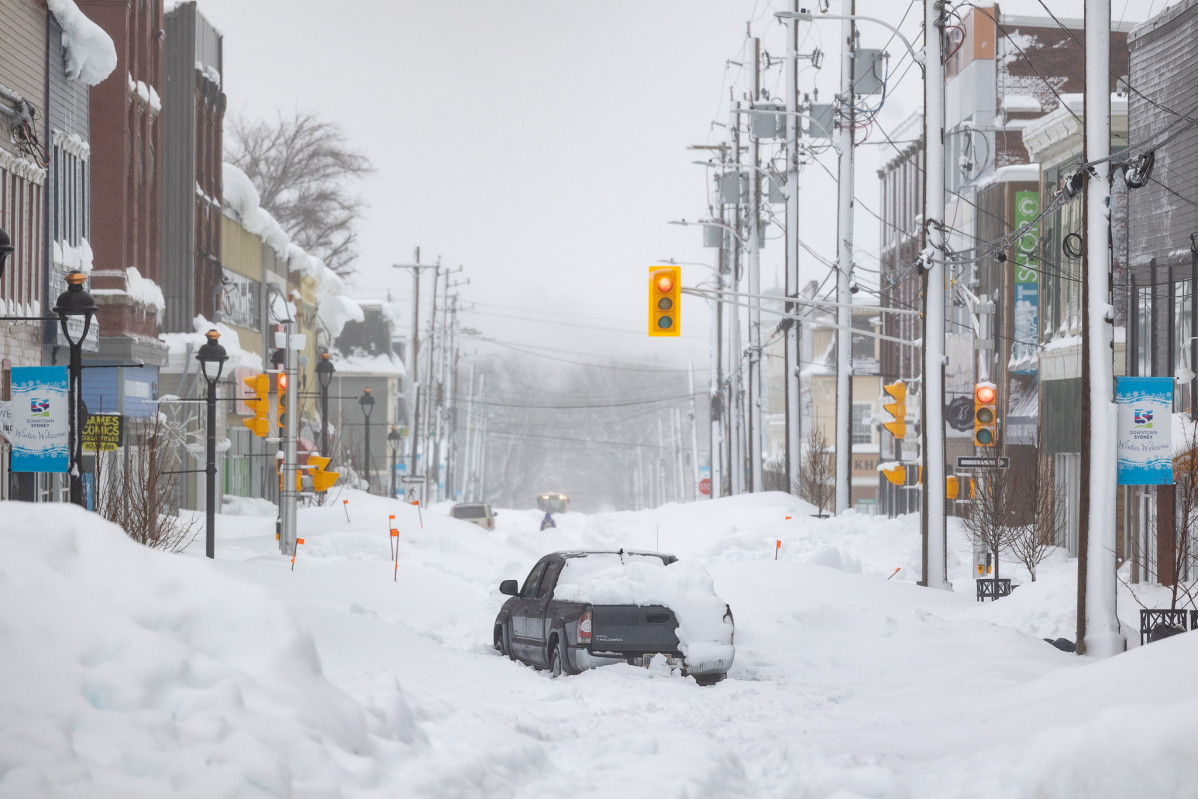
(989, 521)
(136, 489)
(303, 170)
(1032, 540)
(1185, 558)
(816, 482)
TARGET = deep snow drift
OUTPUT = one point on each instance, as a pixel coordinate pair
(129, 672)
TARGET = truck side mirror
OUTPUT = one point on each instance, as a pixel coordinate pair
(509, 588)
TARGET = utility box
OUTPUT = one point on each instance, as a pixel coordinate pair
(768, 120)
(821, 120)
(734, 188)
(713, 236)
(869, 71)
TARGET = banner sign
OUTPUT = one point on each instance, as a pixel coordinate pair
(1145, 409)
(40, 419)
(1027, 284)
(104, 432)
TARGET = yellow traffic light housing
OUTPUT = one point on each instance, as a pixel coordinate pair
(897, 408)
(281, 401)
(896, 474)
(321, 480)
(985, 415)
(260, 402)
(952, 487)
(665, 300)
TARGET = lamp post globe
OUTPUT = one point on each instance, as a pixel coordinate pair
(367, 403)
(75, 301)
(212, 357)
(324, 374)
(393, 441)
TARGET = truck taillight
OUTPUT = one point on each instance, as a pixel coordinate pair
(584, 626)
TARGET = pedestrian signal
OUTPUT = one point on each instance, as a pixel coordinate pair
(665, 300)
(260, 404)
(985, 415)
(897, 408)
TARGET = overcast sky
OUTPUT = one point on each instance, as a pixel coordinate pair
(542, 145)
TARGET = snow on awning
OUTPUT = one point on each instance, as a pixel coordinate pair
(1023, 418)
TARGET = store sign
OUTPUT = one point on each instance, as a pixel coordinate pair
(1027, 284)
(40, 419)
(104, 432)
(1145, 424)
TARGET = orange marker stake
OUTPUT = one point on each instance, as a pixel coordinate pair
(395, 550)
(777, 546)
(897, 569)
(419, 512)
(391, 540)
(298, 541)
(345, 507)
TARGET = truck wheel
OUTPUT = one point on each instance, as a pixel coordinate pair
(557, 660)
(503, 642)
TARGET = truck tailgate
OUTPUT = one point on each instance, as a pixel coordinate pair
(633, 629)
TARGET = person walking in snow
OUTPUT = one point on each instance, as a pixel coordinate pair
(548, 521)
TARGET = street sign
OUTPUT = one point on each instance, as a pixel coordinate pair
(419, 478)
(705, 486)
(983, 462)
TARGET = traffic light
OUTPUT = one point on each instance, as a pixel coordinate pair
(665, 300)
(260, 403)
(952, 487)
(321, 480)
(896, 474)
(985, 415)
(897, 408)
(281, 401)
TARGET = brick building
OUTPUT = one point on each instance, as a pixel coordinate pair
(126, 198)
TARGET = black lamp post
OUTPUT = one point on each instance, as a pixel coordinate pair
(393, 441)
(6, 249)
(212, 359)
(367, 403)
(324, 373)
(75, 301)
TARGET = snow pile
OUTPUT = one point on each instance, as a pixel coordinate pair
(181, 346)
(73, 259)
(333, 307)
(90, 52)
(132, 672)
(630, 579)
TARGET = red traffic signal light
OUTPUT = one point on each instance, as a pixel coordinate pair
(985, 415)
(665, 300)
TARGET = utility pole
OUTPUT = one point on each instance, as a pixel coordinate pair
(932, 517)
(1097, 624)
(844, 265)
(756, 435)
(412, 368)
(694, 438)
(794, 432)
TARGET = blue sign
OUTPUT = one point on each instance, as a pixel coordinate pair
(1145, 420)
(40, 419)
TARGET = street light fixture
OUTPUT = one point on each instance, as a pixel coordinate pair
(75, 301)
(212, 357)
(324, 373)
(393, 441)
(367, 403)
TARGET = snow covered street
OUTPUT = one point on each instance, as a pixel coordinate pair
(130, 672)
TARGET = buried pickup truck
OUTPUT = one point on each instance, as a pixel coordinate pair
(577, 610)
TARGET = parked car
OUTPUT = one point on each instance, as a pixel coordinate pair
(578, 610)
(475, 513)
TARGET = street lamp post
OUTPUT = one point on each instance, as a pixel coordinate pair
(393, 441)
(212, 359)
(367, 403)
(324, 373)
(75, 301)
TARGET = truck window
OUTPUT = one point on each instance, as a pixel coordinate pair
(532, 580)
(550, 579)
